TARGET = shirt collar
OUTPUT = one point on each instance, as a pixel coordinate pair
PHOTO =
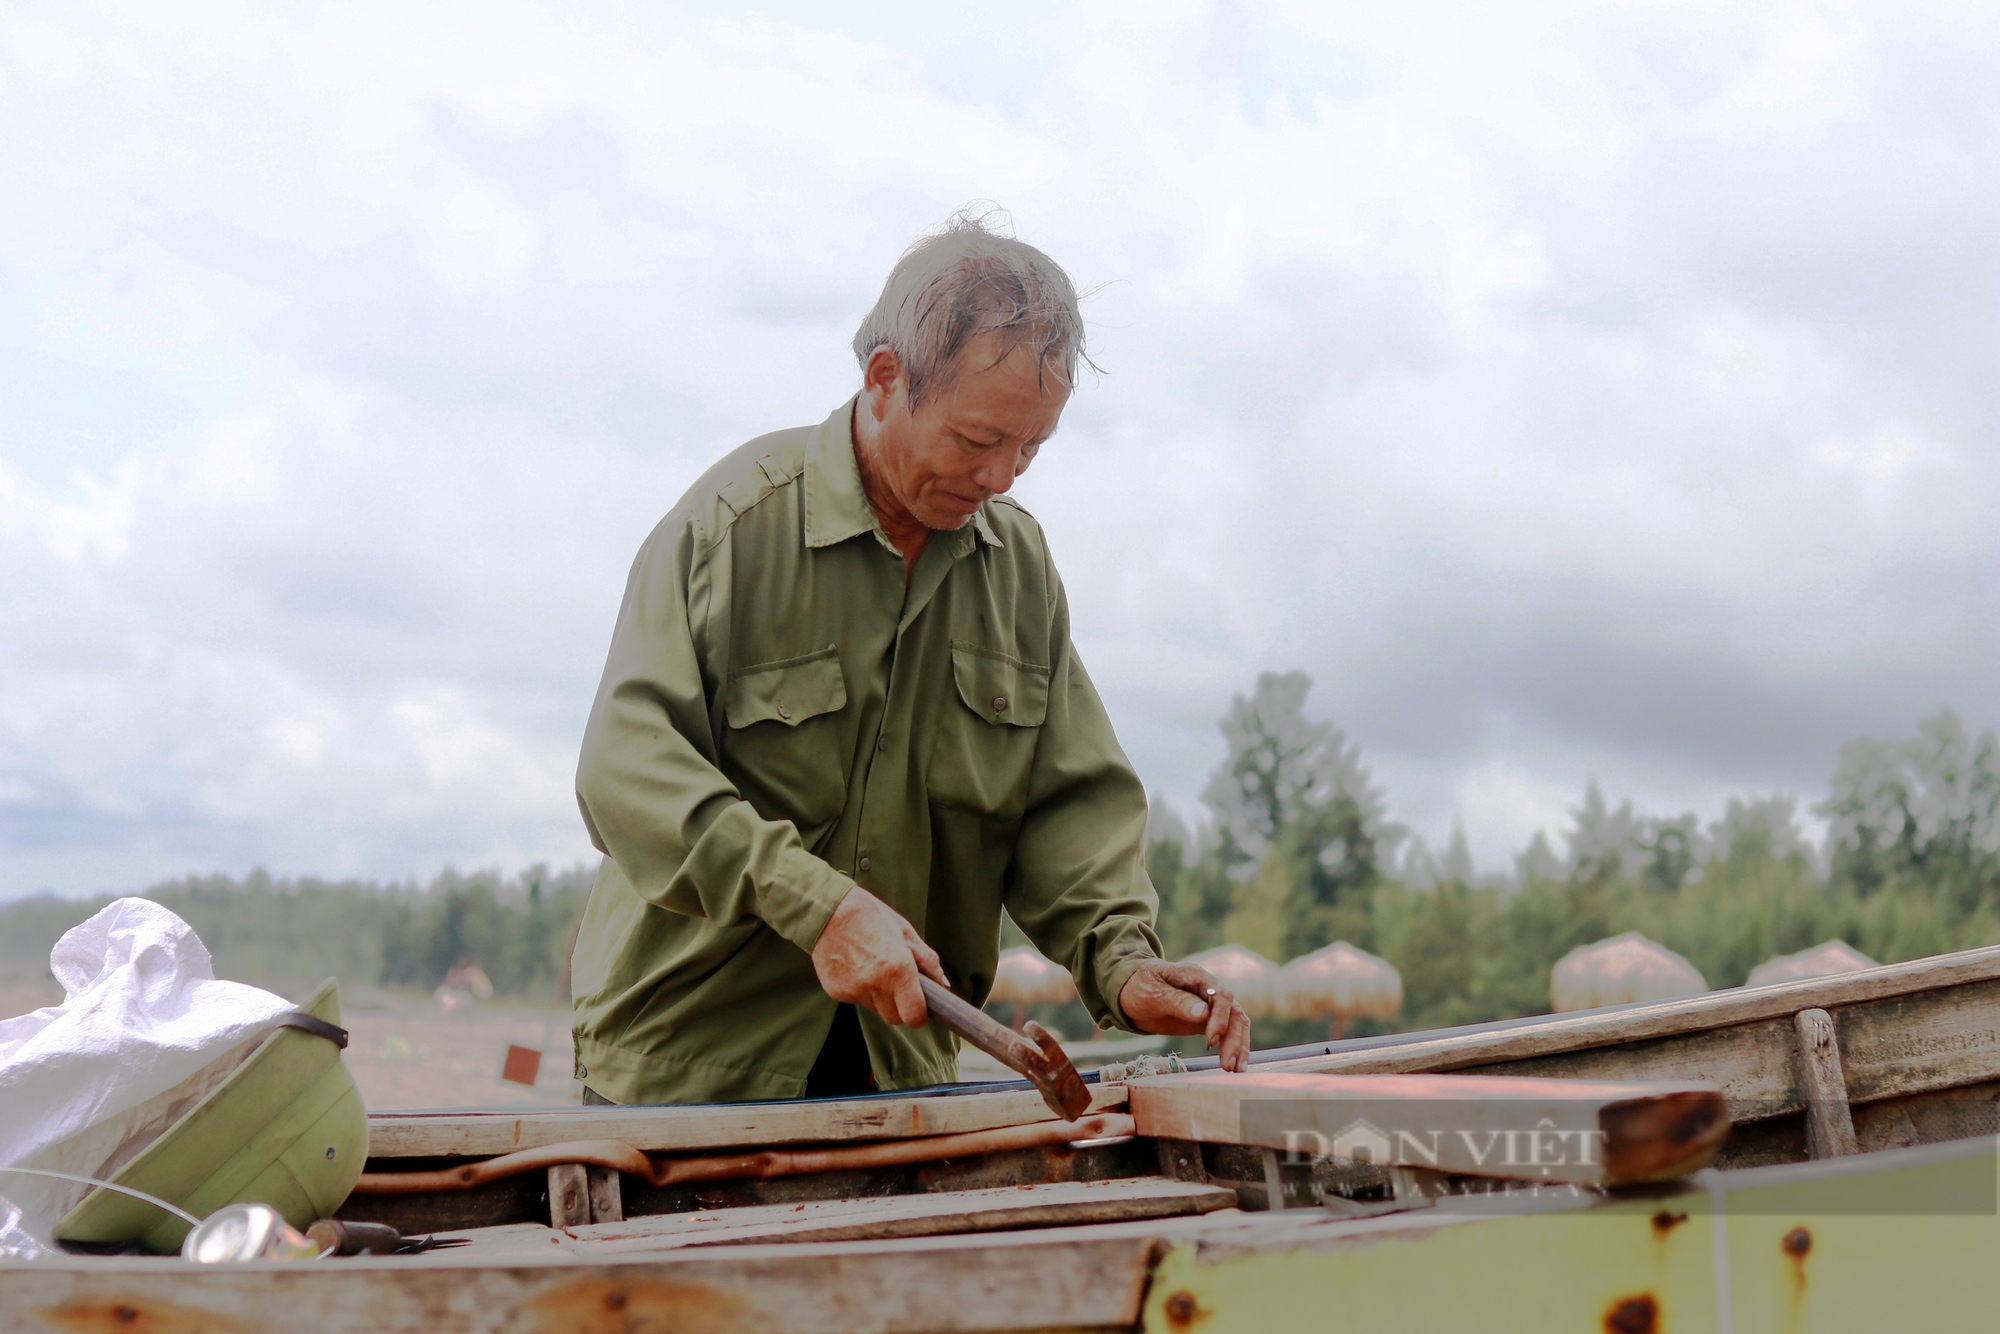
(836, 506)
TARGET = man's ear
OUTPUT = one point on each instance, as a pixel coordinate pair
(881, 380)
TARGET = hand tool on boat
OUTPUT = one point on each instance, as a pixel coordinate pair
(1037, 1055)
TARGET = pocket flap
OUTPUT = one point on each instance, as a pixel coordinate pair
(788, 691)
(999, 688)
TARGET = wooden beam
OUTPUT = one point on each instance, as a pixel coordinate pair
(1064, 1204)
(569, 1195)
(1555, 1130)
(1891, 1046)
(1715, 1010)
(710, 1125)
(1180, 1160)
(1066, 1280)
(1829, 1124)
(607, 1195)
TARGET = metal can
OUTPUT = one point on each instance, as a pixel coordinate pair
(240, 1232)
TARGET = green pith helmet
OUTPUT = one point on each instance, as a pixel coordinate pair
(286, 1128)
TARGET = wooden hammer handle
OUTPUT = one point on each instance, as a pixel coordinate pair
(981, 1029)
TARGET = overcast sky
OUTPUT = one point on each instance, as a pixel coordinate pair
(1574, 390)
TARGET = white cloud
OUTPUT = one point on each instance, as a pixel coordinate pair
(1571, 389)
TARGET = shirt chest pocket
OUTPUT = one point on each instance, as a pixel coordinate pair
(787, 749)
(986, 736)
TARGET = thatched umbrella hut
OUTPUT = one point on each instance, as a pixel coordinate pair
(1246, 973)
(1026, 977)
(1341, 982)
(1832, 956)
(1619, 971)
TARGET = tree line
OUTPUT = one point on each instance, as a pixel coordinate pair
(289, 934)
(1293, 849)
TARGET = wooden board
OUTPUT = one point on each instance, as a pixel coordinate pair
(1560, 1130)
(1065, 1280)
(944, 1213)
(1714, 1010)
(710, 1125)
(1755, 1065)
(1927, 1040)
(1895, 1041)
(524, 1199)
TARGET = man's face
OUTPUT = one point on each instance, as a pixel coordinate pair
(966, 443)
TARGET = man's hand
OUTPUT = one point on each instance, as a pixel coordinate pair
(1182, 998)
(869, 955)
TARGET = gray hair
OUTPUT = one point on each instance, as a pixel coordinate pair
(964, 281)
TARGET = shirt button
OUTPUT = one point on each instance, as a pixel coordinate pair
(999, 704)
(881, 743)
(864, 863)
(784, 713)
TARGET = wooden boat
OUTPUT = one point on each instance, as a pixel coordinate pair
(1853, 1187)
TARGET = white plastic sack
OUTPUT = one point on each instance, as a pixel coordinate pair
(144, 1032)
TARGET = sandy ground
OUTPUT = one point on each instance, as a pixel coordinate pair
(415, 1051)
(421, 1053)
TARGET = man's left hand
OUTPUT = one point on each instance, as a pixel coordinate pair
(1183, 998)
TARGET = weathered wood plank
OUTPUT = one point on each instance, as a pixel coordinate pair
(525, 1198)
(1829, 1125)
(1916, 1043)
(709, 1126)
(1891, 1047)
(1716, 1009)
(569, 1195)
(948, 1213)
(1755, 1065)
(1928, 1118)
(1580, 1131)
(607, 1195)
(945, 1285)
(1180, 1160)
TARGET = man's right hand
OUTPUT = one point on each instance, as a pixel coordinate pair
(869, 955)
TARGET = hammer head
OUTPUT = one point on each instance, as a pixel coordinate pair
(1050, 1068)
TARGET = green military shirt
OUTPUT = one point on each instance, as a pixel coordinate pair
(784, 715)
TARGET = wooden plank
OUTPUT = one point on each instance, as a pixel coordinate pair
(1829, 1125)
(1929, 1040)
(524, 1198)
(1180, 1160)
(607, 1195)
(942, 1285)
(710, 1126)
(1755, 1065)
(569, 1195)
(1561, 1130)
(946, 1213)
(1716, 1009)
(1928, 1118)
(1890, 1047)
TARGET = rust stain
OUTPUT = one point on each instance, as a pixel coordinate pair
(133, 1315)
(1797, 1244)
(1633, 1315)
(637, 1306)
(1183, 1310)
(1664, 1222)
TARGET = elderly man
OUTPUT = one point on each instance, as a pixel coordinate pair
(842, 727)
